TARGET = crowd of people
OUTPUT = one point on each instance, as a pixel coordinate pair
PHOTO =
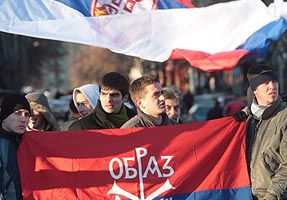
(107, 105)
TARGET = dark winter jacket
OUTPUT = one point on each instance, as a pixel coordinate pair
(267, 152)
(98, 119)
(10, 184)
(143, 120)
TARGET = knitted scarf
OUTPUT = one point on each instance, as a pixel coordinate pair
(118, 119)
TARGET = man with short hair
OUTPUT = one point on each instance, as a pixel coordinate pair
(146, 93)
(172, 99)
(266, 139)
(110, 111)
(14, 118)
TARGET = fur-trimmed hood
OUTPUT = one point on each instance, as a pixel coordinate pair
(39, 102)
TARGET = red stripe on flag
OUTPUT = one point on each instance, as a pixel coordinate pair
(187, 3)
(209, 62)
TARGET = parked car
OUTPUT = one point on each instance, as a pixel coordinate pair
(204, 103)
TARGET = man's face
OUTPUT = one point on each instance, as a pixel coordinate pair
(83, 105)
(17, 121)
(266, 93)
(153, 102)
(172, 107)
(111, 100)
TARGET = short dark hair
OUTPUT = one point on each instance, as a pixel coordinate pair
(115, 81)
(138, 90)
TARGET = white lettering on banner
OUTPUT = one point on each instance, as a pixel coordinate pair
(152, 168)
(120, 173)
(133, 171)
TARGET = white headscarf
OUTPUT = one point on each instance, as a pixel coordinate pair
(90, 91)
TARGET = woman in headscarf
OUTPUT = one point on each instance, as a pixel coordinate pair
(85, 98)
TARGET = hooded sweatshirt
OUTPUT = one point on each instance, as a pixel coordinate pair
(90, 91)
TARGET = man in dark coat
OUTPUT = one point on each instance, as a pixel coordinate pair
(14, 118)
(110, 111)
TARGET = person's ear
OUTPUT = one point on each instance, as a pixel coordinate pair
(138, 102)
(125, 98)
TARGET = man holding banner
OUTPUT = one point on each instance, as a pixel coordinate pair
(267, 139)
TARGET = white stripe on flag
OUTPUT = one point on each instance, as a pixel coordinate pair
(150, 35)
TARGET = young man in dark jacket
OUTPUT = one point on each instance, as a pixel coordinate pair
(110, 111)
(14, 118)
(146, 93)
(266, 136)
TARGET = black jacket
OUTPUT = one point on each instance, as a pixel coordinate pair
(10, 184)
(97, 120)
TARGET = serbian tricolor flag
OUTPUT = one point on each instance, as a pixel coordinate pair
(211, 38)
(198, 161)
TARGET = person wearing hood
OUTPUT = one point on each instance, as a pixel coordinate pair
(85, 98)
(14, 118)
(41, 118)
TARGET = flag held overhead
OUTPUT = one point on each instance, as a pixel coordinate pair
(210, 38)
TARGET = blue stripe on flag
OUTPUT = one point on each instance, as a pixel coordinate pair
(83, 6)
(168, 4)
(257, 44)
(225, 194)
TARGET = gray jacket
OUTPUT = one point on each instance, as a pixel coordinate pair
(266, 141)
